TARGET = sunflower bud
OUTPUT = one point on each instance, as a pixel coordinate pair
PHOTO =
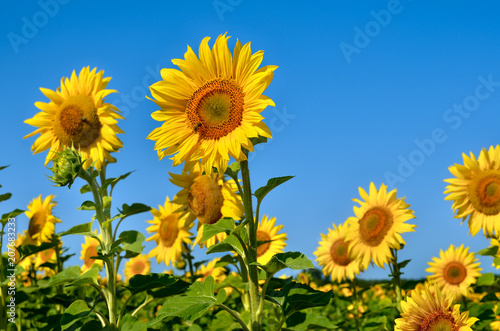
(66, 167)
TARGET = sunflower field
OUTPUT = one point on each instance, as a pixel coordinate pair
(209, 122)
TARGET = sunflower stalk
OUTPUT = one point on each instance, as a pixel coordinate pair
(396, 278)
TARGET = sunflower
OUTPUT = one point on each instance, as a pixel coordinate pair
(211, 106)
(208, 198)
(42, 223)
(455, 271)
(89, 250)
(171, 230)
(332, 254)
(78, 116)
(218, 273)
(269, 241)
(429, 310)
(139, 265)
(378, 225)
(24, 239)
(475, 191)
(48, 255)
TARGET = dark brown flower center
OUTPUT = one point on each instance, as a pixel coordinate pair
(455, 273)
(374, 225)
(439, 320)
(484, 192)
(338, 252)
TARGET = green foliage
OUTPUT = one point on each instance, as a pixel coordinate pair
(76, 311)
(260, 193)
(225, 225)
(292, 260)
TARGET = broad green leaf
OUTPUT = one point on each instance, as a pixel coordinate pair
(12, 214)
(296, 296)
(5, 196)
(90, 277)
(230, 244)
(490, 251)
(133, 242)
(85, 189)
(292, 260)
(225, 260)
(92, 326)
(198, 299)
(233, 280)
(75, 312)
(233, 169)
(403, 264)
(87, 205)
(27, 250)
(140, 283)
(131, 323)
(178, 287)
(486, 279)
(225, 224)
(65, 276)
(82, 229)
(135, 208)
(309, 321)
(271, 184)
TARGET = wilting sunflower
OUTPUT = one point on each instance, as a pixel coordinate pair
(333, 255)
(78, 116)
(378, 225)
(454, 271)
(269, 241)
(475, 191)
(208, 198)
(42, 223)
(430, 310)
(171, 230)
(211, 107)
(89, 249)
(139, 265)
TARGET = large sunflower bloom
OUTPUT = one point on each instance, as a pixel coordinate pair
(429, 310)
(211, 107)
(89, 250)
(208, 198)
(378, 225)
(269, 241)
(454, 271)
(42, 223)
(171, 230)
(139, 265)
(475, 191)
(333, 255)
(78, 116)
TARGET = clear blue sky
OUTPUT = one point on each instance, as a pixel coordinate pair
(359, 87)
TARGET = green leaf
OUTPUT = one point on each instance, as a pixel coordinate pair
(92, 326)
(135, 208)
(87, 205)
(233, 170)
(90, 277)
(114, 181)
(12, 214)
(258, 140)
(140, 283)
(496, 261)
(295, 296)
(65, 276)
(198, 299)
(309, 321)
(3, 167)
(85, 189)
(27, 250)
(260, 193)
(5, 196)
(82, 229)
(292, 260)
(486, 279)
(403, 264)
(75, 312)
(131, 323)
(225, 224)
(230, 244)
(490, 251)
(132, 243)
(233, 280)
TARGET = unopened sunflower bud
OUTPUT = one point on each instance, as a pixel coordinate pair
(66, 167)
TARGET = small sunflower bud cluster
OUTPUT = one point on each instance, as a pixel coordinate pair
(66, 167)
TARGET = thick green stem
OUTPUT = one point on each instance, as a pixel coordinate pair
(252, 249)
(396, 278)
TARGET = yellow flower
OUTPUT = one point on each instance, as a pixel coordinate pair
(171, 230)
(475, 191)
(208, 198)
(24, 239)
(333, 255)
(378, 225)
(211, 106)
(42, 223)
(455, 271)
(78, 116)
(139, 265)
(48, 255)
(430, 310)
(89, 249)
(269, 241)
(218, 273)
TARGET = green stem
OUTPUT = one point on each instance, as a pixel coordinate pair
(355, 303)
(235, 315)
(264, 289)
(189, 258)
(396, 278)
(148, 300)
(123, 308)
(252, 249)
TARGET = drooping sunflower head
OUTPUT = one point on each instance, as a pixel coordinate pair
(139, 265)
(170, 231)
(211, 106)
(42, 223)
(454, 271)
(377, 227)
(77, 115)
(333, 255)
(431, 310)
(89, 250)
(269, 241)
(475, 191)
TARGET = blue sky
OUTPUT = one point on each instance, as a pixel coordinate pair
(385, 91)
